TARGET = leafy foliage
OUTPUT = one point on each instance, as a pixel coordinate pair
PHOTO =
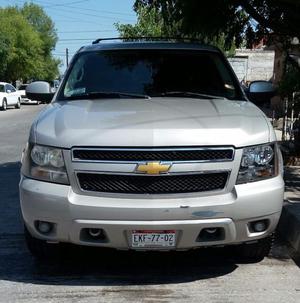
(42, 23)
(237, 20)
(290, 82)
(224, 23)
(27, 37)
(150, 23)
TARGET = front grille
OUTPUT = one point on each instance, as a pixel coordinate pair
(210, 154)
(163, 184)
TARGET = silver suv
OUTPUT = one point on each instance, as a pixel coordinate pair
(151, 146)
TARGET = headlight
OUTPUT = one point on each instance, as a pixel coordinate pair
(258, 163)
(44, 163)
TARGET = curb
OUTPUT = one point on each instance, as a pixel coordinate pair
(289, 224)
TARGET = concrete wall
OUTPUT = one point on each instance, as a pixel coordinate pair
(252, 65)
(239, 65)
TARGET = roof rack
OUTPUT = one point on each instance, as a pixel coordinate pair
(148, 39)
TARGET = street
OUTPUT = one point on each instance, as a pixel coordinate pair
(92, 275)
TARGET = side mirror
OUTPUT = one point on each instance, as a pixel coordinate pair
(40, 91)
(260, 92)
(8, 91)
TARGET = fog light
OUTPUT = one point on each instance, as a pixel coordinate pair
(259, 226)
(44, 227)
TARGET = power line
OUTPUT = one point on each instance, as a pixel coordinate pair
(50, 6)
(78, 39)
(90, 15)
(76, 20)
(83, 20)
(71, 19)
(110, 12)
(95, 31)
(66, 4)
(73, 42)
(101, 11)
(62, 54)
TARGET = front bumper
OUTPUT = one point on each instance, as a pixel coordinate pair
(71, 213)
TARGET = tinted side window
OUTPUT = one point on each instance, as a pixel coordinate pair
(12, 88)
(9, 87)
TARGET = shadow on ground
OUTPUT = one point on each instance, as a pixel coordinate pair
(292, 181)
(90, 266)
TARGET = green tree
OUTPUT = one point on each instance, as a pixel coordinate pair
(151, 23)
(238, 20)
(45, 27)
(4, 50)
(233, 23)
(290, 82)
(20, 45)
(27, 37)
(42, 23)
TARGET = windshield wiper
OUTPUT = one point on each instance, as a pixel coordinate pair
(190, 95)
(106, 95)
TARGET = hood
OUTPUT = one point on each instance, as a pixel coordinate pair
(151, 122)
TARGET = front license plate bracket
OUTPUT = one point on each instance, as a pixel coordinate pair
(153, 238)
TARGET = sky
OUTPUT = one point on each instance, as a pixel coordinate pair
(79, 22)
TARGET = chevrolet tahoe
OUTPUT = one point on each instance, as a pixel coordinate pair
(150, 146)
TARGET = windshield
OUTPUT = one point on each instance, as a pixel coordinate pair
(2, 90)
(150, 72)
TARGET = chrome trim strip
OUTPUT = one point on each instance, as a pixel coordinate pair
(153, 150)
(148, 175)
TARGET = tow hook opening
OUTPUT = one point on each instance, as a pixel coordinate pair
(211, 234)
(93, 235)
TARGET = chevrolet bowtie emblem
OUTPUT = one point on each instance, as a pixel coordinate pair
(153, 168)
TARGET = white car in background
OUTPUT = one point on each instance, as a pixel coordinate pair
(24, 98)
(9, 96)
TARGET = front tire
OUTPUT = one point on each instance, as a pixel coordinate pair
(255, 251)
(41, 250)
(4, 105)
(18, 105)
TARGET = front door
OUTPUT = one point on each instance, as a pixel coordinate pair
(12, 95)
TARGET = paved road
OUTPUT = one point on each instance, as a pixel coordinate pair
(92, 276)
(14, 130)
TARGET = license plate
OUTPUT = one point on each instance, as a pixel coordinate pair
(153, 238)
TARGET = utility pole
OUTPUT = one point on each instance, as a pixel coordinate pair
(67, 57)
